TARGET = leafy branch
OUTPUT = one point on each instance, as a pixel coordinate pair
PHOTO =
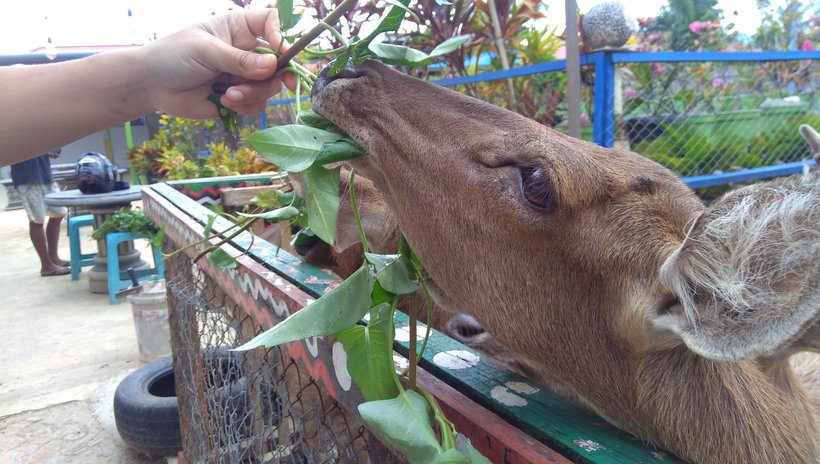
(396, 408)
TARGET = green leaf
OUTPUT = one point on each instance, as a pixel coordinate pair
(287, 19)
(276, 215)
(391, 273)
(209, 225)
(339, 150)
(404, 423)
(230, 120)
(452, 456)
(313, 119)
(333, 312)
(369, 355)
(404, 7)
(293, 148)
(465, 448)
(390, 22)
(398, 54)
(449, 45)
(303, 238)
(222, 259)
(272, 199)
(157, 240)
(338, 64)
(379, 295)
(321, 189)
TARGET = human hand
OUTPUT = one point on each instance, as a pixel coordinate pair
(55, 153)
(180, 70)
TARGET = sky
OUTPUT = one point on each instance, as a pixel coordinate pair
(27, 25)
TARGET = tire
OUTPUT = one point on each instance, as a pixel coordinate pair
(146, 410)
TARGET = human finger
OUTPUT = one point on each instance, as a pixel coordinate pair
(250, 96)
(225, 58)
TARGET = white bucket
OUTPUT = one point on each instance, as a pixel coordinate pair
(150, 311)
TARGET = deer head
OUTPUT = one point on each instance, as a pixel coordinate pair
(576, 258)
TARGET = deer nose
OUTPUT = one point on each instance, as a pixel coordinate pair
(323, 79)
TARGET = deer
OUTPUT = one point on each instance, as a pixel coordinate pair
(600, 268)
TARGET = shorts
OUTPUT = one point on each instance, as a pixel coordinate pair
(34, 201)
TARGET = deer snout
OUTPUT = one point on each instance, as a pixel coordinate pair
(324, 78)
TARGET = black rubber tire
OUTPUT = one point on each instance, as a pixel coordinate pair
(146, 410)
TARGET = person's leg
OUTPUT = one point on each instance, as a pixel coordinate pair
(55, 214)
(53, 239)
(32, 196)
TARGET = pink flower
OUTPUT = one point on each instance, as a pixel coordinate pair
(718, 82)
(807, 46)
(630, 93)
(696, 27)
(657, 68)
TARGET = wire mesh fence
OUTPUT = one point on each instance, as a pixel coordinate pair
(695, 116)
(253, 406)
(707, 117)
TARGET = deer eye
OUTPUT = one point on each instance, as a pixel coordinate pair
(536, 187)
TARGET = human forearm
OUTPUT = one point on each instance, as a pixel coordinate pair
(50, 105)
(45, 106)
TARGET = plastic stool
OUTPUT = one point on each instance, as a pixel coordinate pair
(79, 259)
(116, 282)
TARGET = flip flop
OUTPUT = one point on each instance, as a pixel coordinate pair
(60, 271)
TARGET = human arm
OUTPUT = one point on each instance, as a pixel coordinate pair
(51, 105)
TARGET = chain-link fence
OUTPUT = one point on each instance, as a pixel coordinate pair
(253, 406)
(694, 113)
(707, 117)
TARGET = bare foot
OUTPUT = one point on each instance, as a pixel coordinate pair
(57, 271)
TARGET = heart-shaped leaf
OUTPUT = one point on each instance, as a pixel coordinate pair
(404, 423)
(335, 311)
(321, 190)
(398, 54)
(340, 150)
(449, 45)
(280, 214)
(370, 354)
(293, 148)
(392, 274)
(222, 259)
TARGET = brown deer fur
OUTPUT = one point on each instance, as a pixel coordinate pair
(549, 241)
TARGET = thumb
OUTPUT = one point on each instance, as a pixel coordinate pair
(228, 59)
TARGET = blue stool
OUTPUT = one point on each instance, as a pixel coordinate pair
(79, 259)
(116, 281)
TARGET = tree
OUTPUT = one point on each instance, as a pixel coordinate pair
(676, 17)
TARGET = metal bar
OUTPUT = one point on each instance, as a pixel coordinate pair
(711, 180)
(673, 57)
(573, 70)
(555, 65)
(603, 116)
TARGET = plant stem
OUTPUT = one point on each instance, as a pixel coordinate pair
(311, 35)
(447, 427)
(352, 191)
(225, 240)
(411, 375)
(335, 33)
(310, 51)
(428, 300)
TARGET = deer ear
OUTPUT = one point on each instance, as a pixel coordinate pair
(811, 137)
(747, 276)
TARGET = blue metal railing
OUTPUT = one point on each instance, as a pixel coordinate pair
(603, 112)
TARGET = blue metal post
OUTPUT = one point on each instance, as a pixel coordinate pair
(263, 120)
(603, 117)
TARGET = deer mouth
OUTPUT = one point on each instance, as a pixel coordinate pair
(324, 78)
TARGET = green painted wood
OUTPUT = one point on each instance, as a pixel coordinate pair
(578, 434)
(308, 278)
(569, 429)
